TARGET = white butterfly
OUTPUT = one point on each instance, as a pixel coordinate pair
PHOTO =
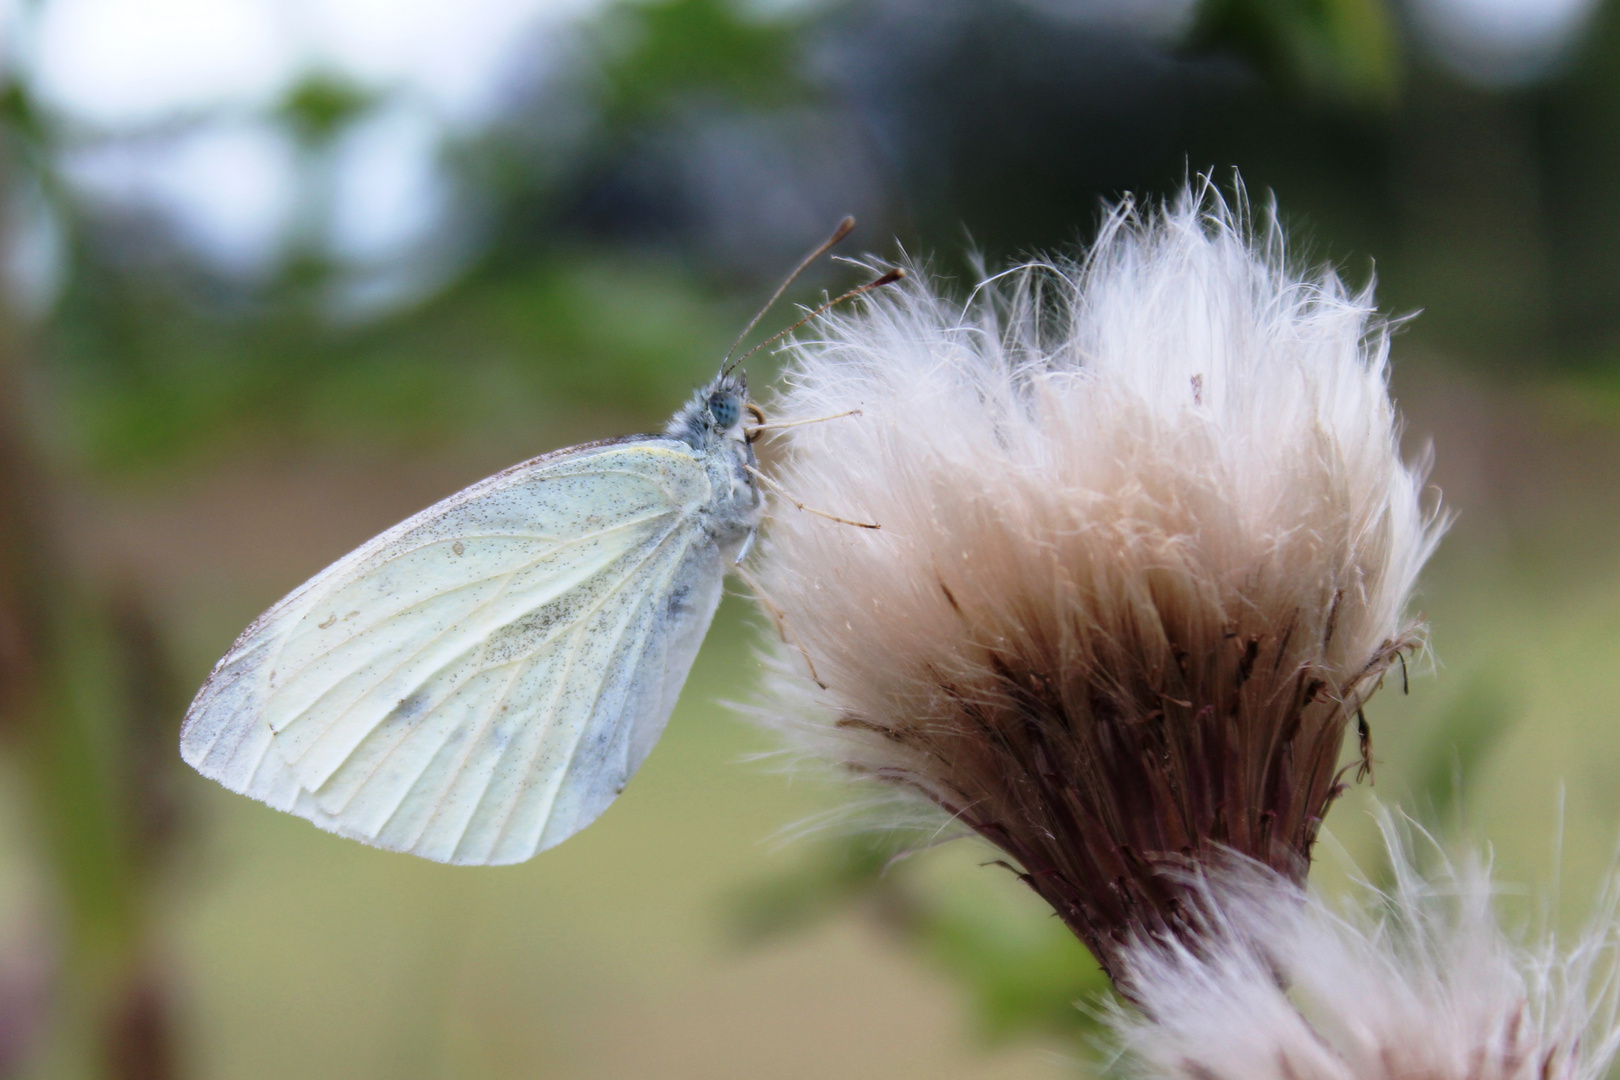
(479, 682)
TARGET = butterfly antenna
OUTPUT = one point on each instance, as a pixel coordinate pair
(897, 274)
(845, 227)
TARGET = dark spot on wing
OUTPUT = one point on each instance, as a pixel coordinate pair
(522, 635)
(408, 708)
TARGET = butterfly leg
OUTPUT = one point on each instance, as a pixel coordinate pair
(747, 545)
(758, 414)
(755, 431)
(779, 617)
(780, 490)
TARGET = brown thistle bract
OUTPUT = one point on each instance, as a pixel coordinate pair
(1146, 545)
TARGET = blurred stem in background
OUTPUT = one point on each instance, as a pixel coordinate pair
(88, 714)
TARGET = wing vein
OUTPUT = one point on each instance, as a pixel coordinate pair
(562, 681)
(438, 807)
(423, 647)
(573, 750)
(517, 670)
(482, 648)
(509, 573)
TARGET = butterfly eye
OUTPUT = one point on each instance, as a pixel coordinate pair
(725, 408)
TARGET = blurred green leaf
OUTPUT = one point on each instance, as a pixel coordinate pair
(1464, 733)
(17, 109)
(1346, 51)
(661, 54)
(150, 376)
(1027, 975)
(829, 879)
(1023, 971)
(321, 105)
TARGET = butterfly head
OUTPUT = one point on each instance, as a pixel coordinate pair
(716, 412)
(725, 408)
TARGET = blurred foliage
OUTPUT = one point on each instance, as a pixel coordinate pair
(18, 115)
(148, 377)
(663, 56)
(608, 239)
(1341, 51)
(588, 256)
(321, 105)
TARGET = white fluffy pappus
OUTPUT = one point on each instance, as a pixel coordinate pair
(1147, 543)
(1417, 983)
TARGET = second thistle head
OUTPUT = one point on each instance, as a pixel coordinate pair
(1147, 546)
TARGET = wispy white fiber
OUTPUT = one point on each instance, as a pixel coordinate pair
(1419, 983)
(1147, 544)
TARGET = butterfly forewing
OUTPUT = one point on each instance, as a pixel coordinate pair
(479, 682)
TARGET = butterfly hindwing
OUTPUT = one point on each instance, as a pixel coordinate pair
(479, 682)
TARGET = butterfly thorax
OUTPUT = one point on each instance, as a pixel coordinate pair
(712, 424)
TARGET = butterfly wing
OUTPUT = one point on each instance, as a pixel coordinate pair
(478, 683)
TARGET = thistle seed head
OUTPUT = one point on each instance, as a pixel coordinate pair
(1417, 983)
(1146, 547)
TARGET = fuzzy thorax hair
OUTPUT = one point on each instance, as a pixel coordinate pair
(1414, 983)
(1146, 546)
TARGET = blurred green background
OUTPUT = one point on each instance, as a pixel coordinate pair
(276, 273)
